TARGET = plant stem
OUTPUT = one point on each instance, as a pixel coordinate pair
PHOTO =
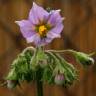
(39, 82)
(61, 51)
(39, 74)
(28, 48)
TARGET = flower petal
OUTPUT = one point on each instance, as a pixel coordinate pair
(37, 40)
(52, 35)
(37, 14)
(26, 27)
(41, 42)
(55, 17)
(32, 38)
(55, 32)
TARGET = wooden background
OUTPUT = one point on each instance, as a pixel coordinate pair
(79, 34)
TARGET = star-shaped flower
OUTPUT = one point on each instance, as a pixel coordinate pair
(41, 27)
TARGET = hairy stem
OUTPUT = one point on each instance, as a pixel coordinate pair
(39, 83)
(61, 51)
(28, 48)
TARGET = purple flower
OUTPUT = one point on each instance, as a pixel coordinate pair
(42, 26)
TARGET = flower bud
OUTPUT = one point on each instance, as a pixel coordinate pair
(43, 63)
(11, 83)
(84, 59)
(59, 79)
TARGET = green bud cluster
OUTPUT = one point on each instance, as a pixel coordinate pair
(54, 69)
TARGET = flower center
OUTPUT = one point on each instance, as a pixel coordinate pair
(42, 30)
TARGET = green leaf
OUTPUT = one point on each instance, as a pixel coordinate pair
(20, 68)
(48, 75)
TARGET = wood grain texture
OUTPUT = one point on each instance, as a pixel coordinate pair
(79, 34)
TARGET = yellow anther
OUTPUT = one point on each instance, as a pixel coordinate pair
(42, 30)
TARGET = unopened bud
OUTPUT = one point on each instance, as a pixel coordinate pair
(11, 83)
(59, 79)
(84, 59)
(43, 63)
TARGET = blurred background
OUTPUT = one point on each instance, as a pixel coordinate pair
(79, 34)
